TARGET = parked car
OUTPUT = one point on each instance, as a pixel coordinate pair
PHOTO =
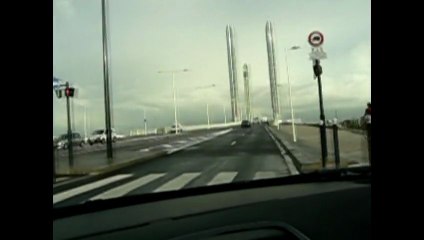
(99, 136)
(77, 140)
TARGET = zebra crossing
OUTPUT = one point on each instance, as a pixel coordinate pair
(130, 182)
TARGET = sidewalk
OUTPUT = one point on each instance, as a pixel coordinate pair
(353, 147)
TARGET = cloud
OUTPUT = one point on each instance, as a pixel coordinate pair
(147, 36)
(63, 8)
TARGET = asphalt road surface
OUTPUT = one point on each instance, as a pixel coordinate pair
(240, 155)
(88, 157)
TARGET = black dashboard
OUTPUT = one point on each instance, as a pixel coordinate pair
(334, 205)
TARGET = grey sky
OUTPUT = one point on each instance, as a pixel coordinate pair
(147, 36)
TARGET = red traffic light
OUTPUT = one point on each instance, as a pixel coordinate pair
(69, 92)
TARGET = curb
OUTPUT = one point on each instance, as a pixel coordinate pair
(306, 165)
(296, 156)
(289, 160)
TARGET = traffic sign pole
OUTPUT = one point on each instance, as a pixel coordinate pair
(70, 147)
(322, 126)
(316, 39)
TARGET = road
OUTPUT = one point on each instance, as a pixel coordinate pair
(89, 158)
(240, 155)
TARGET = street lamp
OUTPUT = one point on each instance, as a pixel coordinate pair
(225, 115)
(290, 92)
(145, 121)
(173, 72)
(84, 106)
(207, 114)
(207, 104)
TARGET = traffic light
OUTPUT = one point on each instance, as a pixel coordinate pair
(58, 93)
(69, 91)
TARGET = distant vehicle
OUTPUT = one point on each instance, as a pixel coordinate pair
(77, 140)
(264, 120)
(256, 120)
(99, 136)
(178, 129)
(245, 124)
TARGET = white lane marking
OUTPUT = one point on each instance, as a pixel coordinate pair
(144, 150)
(88, 187)
(192, 148)
(128, 187)
(177, 182)
(233, 143)
(61, 179)
(181, 141)
(223, 177)
(264, 174)
(160, 146)
(223, 132)
(201, 140)
(358, 165)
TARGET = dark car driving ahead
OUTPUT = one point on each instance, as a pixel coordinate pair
(245, 124)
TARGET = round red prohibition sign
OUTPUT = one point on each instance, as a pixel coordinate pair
(316, 38)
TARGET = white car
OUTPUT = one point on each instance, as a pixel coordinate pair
(99, 136)
(179, 128)
(76, 139)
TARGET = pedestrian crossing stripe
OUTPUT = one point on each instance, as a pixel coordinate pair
(175, 183)
(223, 177)
(262, 175)
(128, 187)
(88, 187)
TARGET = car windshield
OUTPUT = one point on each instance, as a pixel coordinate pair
(262, 89)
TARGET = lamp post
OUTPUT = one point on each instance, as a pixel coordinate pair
(290, 91)
(207, 105)
(108, 122)
(173, 72)
(225, 115)
(145, 122)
